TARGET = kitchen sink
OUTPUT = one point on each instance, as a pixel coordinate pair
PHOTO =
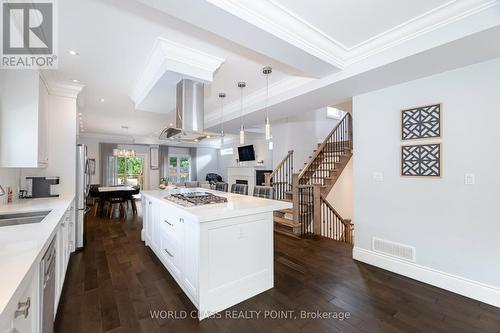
(22, 218)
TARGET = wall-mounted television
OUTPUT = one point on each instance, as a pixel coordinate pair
(246, 153)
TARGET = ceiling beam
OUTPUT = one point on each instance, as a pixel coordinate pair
(302, 56)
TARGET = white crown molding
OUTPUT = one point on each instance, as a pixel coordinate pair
(480, 291)
(271, 17)
(254, 100)
(170, 56)
(57, 88)
(279, 21)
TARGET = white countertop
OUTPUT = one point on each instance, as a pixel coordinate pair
(22, 246)
(236, 205)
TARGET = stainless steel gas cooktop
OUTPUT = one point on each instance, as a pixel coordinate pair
(195, 199)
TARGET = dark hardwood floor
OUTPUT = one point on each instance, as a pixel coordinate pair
(114, 283)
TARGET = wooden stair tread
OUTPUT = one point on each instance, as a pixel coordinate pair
(287, 222)
(286, 211)
(286, 233)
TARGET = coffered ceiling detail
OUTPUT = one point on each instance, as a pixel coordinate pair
(296, 22)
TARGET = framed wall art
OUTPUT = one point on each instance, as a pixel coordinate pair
(422, 122)
(421, 160)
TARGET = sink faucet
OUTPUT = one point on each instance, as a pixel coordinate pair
(2, 192)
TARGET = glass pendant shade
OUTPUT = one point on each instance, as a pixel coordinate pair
(268, 129)
(242, 135)
(241, 85)
(267, 71)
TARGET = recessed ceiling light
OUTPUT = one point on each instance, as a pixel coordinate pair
(79, 113)
(73, 52)
(170, 125)
(208, 136)
(76, 81)
(101, 100)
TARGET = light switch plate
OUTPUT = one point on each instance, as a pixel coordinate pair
(470, 179)
(378, 177)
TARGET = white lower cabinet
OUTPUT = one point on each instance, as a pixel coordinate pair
(217, 262)
(63, 250)
(174, 238)
(23, 313)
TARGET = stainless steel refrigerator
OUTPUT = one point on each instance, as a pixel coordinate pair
(82, 190)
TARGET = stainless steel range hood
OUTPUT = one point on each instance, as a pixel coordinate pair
(189, 120)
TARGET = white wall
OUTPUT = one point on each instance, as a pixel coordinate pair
(454, 228)
(341, 196)
(207, 161)
(301, 134)
(9, 177)
(262, 152)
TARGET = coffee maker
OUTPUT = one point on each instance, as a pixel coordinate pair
(40, 187)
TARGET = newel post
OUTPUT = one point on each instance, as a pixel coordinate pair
(295, 197)
(317, 209)
(348, 231)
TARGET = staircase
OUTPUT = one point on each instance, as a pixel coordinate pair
(311, 213)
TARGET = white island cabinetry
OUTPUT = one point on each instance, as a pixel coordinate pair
(219, 254)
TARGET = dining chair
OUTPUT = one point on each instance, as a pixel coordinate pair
(221, 186)
(117, 198)
(263, 192)
(132, 197)
(239, 189)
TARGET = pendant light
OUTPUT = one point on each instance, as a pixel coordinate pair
(124, 152)
(222, 96)
(267, 71)
(241, 85)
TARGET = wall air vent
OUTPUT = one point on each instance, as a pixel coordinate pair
(393, 249)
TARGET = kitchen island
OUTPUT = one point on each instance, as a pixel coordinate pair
(220, 254)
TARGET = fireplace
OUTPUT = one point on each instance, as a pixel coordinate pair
(241, 181)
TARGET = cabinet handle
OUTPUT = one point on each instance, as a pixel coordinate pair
(170, 224)
(23, 308)
(181, 220)
(170, 254)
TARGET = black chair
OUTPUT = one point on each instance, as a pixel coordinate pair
(117, 198)
(94, 197)
(239, 189)
(131, 197)
(219, 186)
(213, 178)
(263, 192)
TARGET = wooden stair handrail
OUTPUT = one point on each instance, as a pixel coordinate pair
(321, 147)
(345, 222)
(280, 164)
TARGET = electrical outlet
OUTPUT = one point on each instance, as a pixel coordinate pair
(470, 179)
(378, 177)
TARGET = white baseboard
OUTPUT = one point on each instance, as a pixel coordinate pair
(459, 285)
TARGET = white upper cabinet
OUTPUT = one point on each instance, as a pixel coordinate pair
(24, 108)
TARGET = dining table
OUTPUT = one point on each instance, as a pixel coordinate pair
(123, 191)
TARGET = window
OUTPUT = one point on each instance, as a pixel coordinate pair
(179, 169)
(130, 171)
(335, 113)
(226, 151)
